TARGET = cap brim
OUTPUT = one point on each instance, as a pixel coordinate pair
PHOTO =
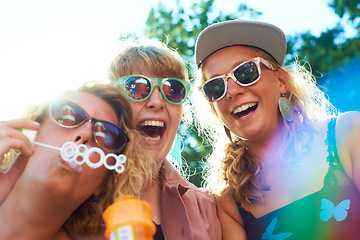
(262, 35)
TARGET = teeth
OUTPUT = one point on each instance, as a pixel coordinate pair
(150, 139)
(243, 107)
(153, 123)
(151, 135)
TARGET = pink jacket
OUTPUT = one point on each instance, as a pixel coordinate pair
(188, 212)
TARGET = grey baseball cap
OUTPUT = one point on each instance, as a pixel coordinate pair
(265, 36)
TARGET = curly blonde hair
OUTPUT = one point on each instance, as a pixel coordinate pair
(238, 171)
(138, 173)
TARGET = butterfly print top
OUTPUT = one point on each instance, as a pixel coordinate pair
(331, 213)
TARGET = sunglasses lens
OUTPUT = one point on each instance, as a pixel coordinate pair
(214, 89)
(137, 88)
(174, 90)
(67, 115)
(109, 136)
(247, 73)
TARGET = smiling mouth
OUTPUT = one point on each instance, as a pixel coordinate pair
(245, 110)
(152, 130)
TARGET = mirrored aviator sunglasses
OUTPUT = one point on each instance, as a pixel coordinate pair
(107, 135)
(245, 74)
(139, 88)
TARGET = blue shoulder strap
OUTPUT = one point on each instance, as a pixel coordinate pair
(333, 157)
(330, 141)
(241, 209)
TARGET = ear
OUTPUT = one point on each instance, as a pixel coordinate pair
(283, 78)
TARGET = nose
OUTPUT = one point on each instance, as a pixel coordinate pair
(83, 134)
(233, 89)
(155, 101)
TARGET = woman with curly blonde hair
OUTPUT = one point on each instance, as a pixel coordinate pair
(44, 196)
(291, 158)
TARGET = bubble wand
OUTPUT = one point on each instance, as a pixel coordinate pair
(80, 154)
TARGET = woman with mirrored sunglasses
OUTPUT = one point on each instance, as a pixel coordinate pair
(154, 80)
(139, 88)
(42, 195)
(288, 165)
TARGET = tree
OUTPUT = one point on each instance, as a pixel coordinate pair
(349, 8)
(332, 47)
(179, 28)
(332, 55)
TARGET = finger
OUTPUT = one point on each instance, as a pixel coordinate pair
(20, 123)
(8, 136)
(24, 146)
(7, 128)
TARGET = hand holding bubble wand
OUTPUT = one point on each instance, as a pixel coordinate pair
(80, 154)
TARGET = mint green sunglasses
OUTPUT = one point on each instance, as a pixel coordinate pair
(139, 88)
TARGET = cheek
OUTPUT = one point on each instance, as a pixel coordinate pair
(272, 98)
(136, 108)
(219, 109)
(175, 113)
(94, 177)
(101, 173)
(48, 127)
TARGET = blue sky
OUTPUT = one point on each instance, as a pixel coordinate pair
(47, 46)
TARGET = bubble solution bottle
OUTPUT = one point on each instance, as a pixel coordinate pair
(129, 218)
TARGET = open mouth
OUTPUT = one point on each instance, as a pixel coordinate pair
(152, 130)
(245, 110)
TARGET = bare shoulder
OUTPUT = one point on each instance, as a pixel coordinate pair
(231, 222)
(347, 122)
(348, 142)
(226, 202)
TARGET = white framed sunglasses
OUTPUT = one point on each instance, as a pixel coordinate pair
(245, 74)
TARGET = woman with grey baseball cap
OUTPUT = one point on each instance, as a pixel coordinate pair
(291, 167)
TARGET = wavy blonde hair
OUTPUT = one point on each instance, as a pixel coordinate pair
(157, 58)
(238, 171)
(138, 173)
